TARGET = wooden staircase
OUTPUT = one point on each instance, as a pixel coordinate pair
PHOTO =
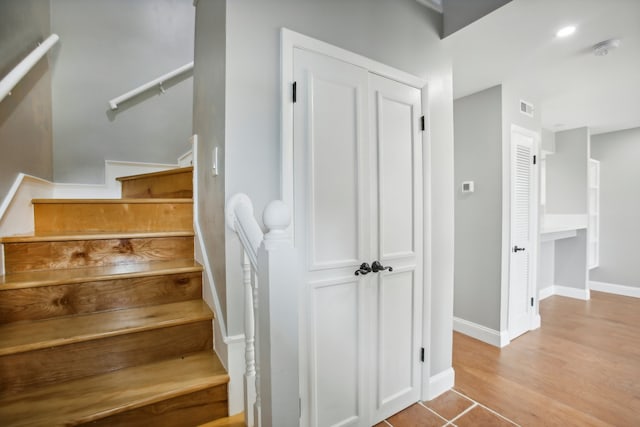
(102, 320)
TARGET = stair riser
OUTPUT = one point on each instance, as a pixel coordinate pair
(63, 363)
(179, 185)
(32, 256)
(184, 411)
(112, 217)
(46, 302)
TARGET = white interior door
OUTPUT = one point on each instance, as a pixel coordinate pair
(395, 112)
(357, 198)
(523, 219)
(332, 204)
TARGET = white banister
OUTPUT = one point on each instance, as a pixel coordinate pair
(250, 386)
(113, 104)
(20, 70)
(270, 280)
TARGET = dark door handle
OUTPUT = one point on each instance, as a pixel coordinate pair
(517, 249)
(364, 269)
(376, 266)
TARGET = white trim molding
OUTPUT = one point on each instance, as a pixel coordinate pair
(482, 333)
(569, 292)
(440, 383)
(612, 288)
(545, 292)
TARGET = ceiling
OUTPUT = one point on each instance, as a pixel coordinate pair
(516, 44)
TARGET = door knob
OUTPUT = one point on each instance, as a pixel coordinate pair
(364, 269)
(376, 266)
(517, 249)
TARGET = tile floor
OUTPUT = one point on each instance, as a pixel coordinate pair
(450, 409)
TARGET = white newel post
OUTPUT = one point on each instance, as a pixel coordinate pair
(277, 324)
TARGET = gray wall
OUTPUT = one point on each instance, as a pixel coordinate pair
(570, 261)
(567, 173)
(619, 156)
(209, 125)
(548, 142)
(106, 49)
(460, 13)
(478, 215)
(403, 34)
(25, 116)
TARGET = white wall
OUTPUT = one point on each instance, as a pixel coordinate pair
(548, 142)
(619, 156)
(478, 215)
(107, 48)
(403, 34)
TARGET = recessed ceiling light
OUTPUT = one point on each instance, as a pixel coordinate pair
(566, 31)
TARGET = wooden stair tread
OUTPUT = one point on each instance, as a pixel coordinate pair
(92, 398)
(155, 174)
(32, 279)
(32, 335)
(61, 237)
(108, 201)
(232, 421)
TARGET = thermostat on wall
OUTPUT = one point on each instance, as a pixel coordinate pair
(467, 187)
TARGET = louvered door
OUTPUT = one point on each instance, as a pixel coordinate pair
(522, 239)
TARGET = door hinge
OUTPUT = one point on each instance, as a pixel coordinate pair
(534, 159)
(422, 123)
(295, 91)
(531, 301)
(422, 354)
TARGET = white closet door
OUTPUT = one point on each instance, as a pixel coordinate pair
(358, 198)
(332, 207)
(396, 314)
(520, 266)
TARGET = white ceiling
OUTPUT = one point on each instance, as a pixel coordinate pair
(517, 44)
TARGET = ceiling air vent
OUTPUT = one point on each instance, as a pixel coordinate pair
(526, 108)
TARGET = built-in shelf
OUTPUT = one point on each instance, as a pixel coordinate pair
(555, 227)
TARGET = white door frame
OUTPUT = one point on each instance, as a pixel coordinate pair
(290, 40)
(534, 320)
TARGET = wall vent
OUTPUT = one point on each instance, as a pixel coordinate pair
(526, 108)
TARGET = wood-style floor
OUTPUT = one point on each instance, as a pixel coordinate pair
(581, 368)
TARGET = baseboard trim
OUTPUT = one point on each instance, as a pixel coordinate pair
(566, 291)
(545, 292)
(482, 333)
(536, 322)
(440, 383)
(16, 211)
(612, 288)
